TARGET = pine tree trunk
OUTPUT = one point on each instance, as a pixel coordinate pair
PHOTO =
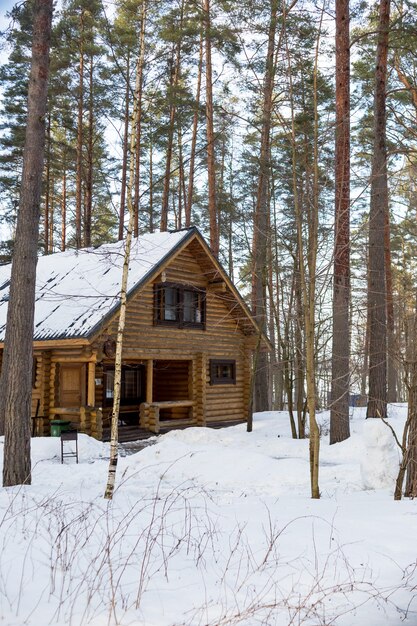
(175, 73)
(299, 351)
(411, 451)
(64, 206)
(89, 164)
(339, 413)
(275, 299)
(151, 212)
(211, 163)
(408, 465)
(377, 294)
(47, 186)
(125, 152)
(261, 239)
(79, 165)
(16, 373)
(51, 216)
(391, 348)
(140, 66)
(181, 181)
(168, 158)
(365, 368)
(189, 202)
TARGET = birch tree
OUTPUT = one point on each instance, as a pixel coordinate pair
(123, 289)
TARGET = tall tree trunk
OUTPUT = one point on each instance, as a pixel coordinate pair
(181, 179)
(411, 449)
(339, 413)
(190, 190)
(365, 367)
(151, 212)
(211, 162)
(51, 215)
(47, 186)
(89, 164)
(175, 73)
(377, 292)
(261, 239)
(299, 359)
(64, 207)
(278, 376)
(408, 464)
(125, 152)
(140, 67)
(392, 356)
(79, 164)
(16, 373)
(168, 158)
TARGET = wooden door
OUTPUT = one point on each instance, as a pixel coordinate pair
(72, 385)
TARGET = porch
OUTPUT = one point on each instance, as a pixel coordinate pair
(156, 395)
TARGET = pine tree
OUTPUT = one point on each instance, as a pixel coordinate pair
(16, 373)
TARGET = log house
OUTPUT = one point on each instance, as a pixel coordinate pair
(187, 346)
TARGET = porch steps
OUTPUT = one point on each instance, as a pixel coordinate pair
(134, 433)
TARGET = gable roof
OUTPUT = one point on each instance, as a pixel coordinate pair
(78, 290)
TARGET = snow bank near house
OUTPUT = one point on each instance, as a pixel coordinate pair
(212, 527)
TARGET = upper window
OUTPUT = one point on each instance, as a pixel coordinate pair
(180, 305)
(222, 372)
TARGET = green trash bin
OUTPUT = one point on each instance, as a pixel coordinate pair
(59, 426)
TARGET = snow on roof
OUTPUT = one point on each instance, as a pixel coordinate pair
(76, 289)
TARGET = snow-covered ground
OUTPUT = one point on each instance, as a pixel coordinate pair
(211, 527)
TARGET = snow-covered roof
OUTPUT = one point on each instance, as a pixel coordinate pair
(77, 289)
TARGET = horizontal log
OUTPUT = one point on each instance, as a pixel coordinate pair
(180, 422)
(229, 399)
(226, 415)
(73, 359)
(236, 408)
(172, 404)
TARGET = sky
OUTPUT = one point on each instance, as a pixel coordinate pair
(5, 6)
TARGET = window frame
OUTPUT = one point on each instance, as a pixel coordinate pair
(216, 380)
(180, 290)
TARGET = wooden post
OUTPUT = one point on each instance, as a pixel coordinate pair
(46, 381)
(154, 419)
(91, 384)
(247, 372)
(51, 390)
(83, 420)
(144, 415)
(200, 379)
(149, 381)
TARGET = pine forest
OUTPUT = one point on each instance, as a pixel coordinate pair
(285, 131)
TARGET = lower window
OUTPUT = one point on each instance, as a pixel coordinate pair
(222, 372)
(132, 385)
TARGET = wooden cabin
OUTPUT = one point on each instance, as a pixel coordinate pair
(187, 346)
